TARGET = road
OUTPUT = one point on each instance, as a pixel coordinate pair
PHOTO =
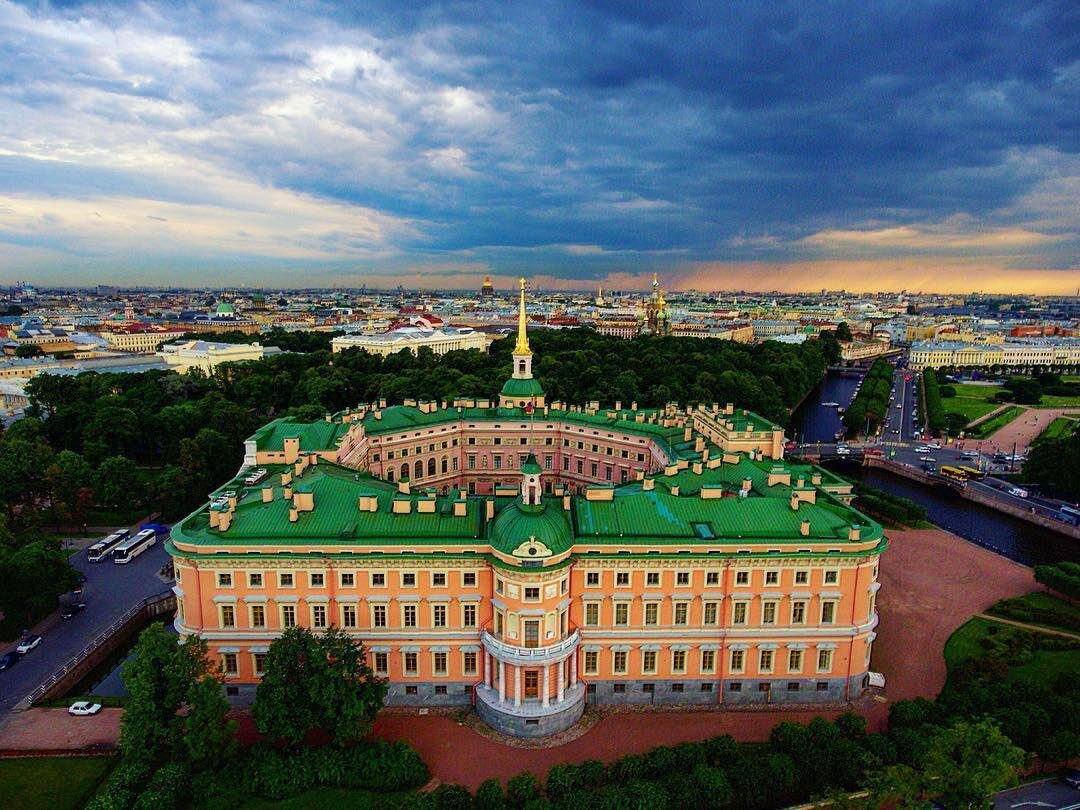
(110, 591)
(1049, 794)
(898, 442)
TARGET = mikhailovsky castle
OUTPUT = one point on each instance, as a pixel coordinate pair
(529, 557)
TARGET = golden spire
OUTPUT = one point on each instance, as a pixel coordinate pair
(522, 346)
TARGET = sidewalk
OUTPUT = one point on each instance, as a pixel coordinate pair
(1034, 628)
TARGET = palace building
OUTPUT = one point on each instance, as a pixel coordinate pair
(528, 557)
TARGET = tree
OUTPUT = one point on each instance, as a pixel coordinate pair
(843, 331)
(163, 678)
(116, 483)
(27, 350)
(961, 766)
(317, 682)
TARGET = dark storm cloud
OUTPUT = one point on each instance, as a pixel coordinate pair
(702, 130)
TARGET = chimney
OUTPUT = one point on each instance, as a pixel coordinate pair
(286, 478)
(267, 494)
(489, 508)
(699, 444)
(215, 518)
(633, 406)
(853, 532)
(566, 502)
(618, 404)
(294, 515)
(794, 502)
(403, 486)
(747, 484)
(286, 493)
(804, 528)
(675, 490)
(687, 434)
(460, 508)
(377, 414)
(648, 484)
(815, 479)
(697, 468)
(639, 475)
(224, 521)
(304, 500)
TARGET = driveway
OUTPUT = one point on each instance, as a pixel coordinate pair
(1049, 794)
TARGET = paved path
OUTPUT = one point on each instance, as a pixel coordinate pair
(1022, 430)
(1035, 628)
(56, 730)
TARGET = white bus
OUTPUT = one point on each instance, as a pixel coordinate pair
(103, 548)
(130, 549)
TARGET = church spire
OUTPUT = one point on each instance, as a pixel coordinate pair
(522, 346)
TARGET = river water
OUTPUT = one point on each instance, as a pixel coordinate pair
(1016, 539)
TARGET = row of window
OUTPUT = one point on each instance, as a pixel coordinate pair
(742, 578)
(348, 616)
(620, 661)
(710, 613)
(380, 663)
(347, 579)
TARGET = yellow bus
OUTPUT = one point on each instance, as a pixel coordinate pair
(974, 473)
(952, 473)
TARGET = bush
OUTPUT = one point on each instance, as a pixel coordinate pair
(451, 797)
(489, 796)
(522, 789)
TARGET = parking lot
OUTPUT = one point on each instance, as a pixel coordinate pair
(1050, 794)
(110, 591)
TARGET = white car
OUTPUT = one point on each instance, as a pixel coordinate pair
(843, 451)
(922, 449)
(1018, 493)
(84, 708)
(934, 445)
(27, 644)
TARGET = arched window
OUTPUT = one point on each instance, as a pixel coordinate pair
(390, 474)
(405, 470)
(418, 469)
(521, 366)
(444, 464)
(431, 466)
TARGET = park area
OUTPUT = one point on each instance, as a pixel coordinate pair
(51, 783)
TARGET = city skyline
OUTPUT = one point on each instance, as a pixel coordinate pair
(907, 147)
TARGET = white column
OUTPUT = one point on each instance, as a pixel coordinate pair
(517, 685)
(487, 667)
(562, 680)
(502, 682)
(547, 684)
(573, 669)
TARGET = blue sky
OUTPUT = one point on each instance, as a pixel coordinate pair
(760, 146)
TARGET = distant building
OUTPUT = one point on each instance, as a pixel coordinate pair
(181, 357)
(487, 290)
(140, 338)
(421, 333)
(1047, 352)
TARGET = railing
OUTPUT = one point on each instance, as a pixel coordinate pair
(92, 647)
(497, 645)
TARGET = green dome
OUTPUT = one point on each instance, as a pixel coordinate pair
(522, 389)
(516, 524)
(225, 309)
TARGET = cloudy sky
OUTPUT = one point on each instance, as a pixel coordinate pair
(780, 145)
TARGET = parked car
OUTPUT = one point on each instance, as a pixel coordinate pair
(84, 708)
(9, 660)
(934, 445)
(922, 449)
(843, 450)
(67, 611)
(27, 644)
(1072, 778)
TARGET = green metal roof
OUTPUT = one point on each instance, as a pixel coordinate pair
(321, 435)
(517, 523)
(522, 388)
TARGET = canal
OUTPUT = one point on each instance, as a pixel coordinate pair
(1006, 535)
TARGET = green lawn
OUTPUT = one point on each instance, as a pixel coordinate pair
(1040, 608)
(1041, 667)
(1060, 427)
(990, 426)
(51, 783)
(971, 401)
(1048, 401)
(327, 799)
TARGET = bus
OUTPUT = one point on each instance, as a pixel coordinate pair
(974, 473)
(130, 549)
(952, 473)
(106, 546)
(1070, 514)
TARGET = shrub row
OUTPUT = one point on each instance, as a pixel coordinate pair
(886, 505)
(1063, 577)
(872, 402)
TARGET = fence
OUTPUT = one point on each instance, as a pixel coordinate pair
(102, 644)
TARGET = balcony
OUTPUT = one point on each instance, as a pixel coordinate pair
(515, 653)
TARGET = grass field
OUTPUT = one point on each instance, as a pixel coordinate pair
(51, 783)
(1041, 609)
(1048, 401)
(1041, 666)
(990, 426)
(971, 401)
(1062, 426)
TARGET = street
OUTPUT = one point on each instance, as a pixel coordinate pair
(1051, 794)
(110, 591)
